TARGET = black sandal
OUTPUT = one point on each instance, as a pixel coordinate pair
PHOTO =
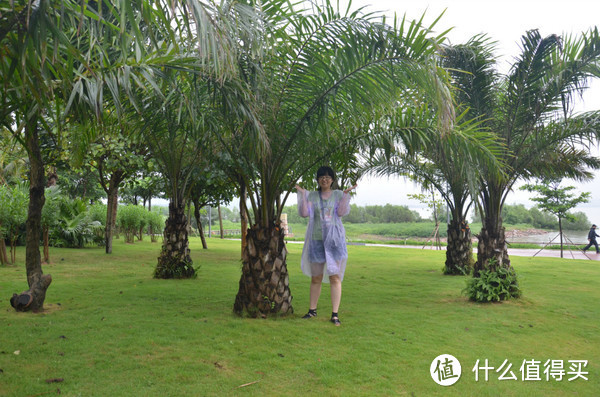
(336, 321)
(311, 313)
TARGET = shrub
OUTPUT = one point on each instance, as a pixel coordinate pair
(493, 285)
(156, 224)
(130, 218)
(74, 228)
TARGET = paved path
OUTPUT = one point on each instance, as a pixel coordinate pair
(575, 254)
(591, 255)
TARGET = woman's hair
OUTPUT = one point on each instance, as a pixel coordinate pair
(326, 171)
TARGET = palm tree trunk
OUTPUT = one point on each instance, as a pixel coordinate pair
(264, 285)
(492, 250)
(37, 280)
(459, 253)
(174, 260)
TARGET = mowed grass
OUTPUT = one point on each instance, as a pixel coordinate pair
(109, 329)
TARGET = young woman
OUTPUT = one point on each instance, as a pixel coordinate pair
(324, 252)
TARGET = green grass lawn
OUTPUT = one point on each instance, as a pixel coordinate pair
(109, 329)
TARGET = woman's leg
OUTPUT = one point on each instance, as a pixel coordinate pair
(315, 291)
(336, 292)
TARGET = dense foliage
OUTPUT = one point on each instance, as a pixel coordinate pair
(518, 214)
(366, 214)
(493, 285)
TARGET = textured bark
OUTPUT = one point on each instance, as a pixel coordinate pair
(264, 285)
(3, 256)
(174, 260)
(459, 253)
(46, 233)
(492, 251)
(38, 282)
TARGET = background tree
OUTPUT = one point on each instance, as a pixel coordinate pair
(117, 155)
(13, 160)
(145, 185)
(13, 214)
(211, 187)
(556, 200)
(79, 182)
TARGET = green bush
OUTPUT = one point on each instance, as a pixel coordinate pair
(130, 218)
(97, 212)
(75, 228)
(156, 224)
(493, 285)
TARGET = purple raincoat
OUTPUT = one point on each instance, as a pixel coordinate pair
(324, 249)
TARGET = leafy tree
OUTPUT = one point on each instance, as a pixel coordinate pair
(557, 200)
(579, 222)
(17, 211)
(144, 187)
(515, 214)
(356, 215)
(79, 182)
(4, 209)
(117, 155)
(180, 143)
(13, 214)
(13, 160)
(211, 186)
(540, 219)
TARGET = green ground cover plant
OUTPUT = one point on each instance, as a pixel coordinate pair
(110, 329)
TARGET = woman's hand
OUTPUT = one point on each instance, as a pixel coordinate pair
(350, 189)
(299, 189)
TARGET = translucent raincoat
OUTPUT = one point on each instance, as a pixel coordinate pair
(325, 241)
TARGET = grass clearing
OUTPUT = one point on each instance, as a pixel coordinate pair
(109, 329)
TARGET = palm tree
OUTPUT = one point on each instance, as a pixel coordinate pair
(449, 164)
(302, 75)
(60, 57)
(530, 113)
(178, 134)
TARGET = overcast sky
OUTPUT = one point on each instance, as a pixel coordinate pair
(505, 22)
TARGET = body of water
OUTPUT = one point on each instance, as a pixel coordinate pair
(576, 236)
